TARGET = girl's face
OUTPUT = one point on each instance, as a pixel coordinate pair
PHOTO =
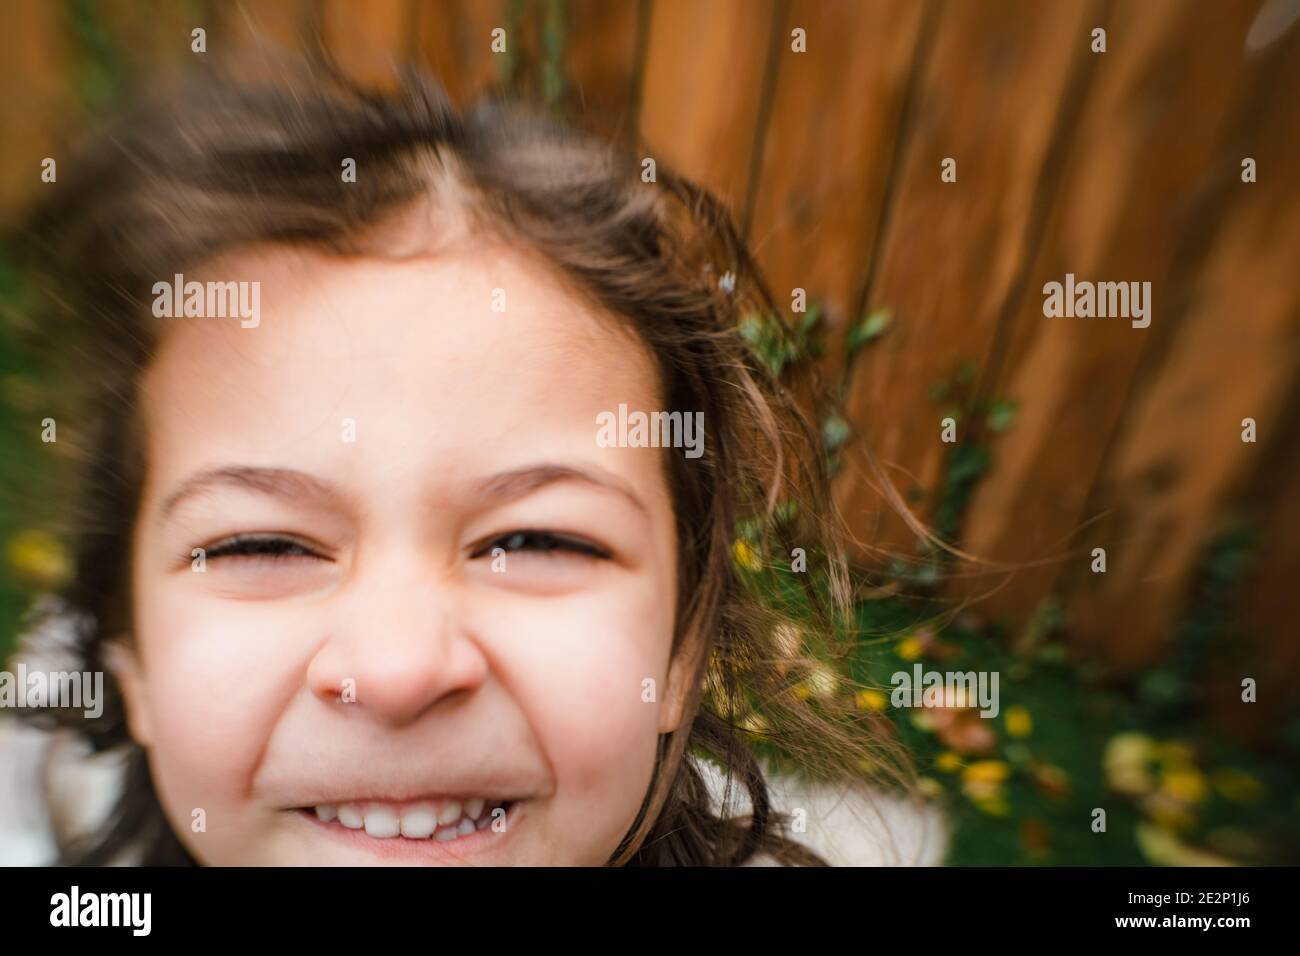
(425, 591)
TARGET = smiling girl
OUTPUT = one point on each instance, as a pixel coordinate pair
(368, 586)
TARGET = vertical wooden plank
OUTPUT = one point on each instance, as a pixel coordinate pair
(454, 42)
(1142, 149)
(1266, 645)
(953, 249)
(260, 36)
(1180, 457)
(370, 42)
(37, 95)
(828, 147)
(701, 102)
(600, 64)
(154, 39)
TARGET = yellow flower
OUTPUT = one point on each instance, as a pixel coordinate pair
(873, 700)
(745, 555)
(987, 771)
(1019, 723)
(982, 781)
(1187, 786)
(38, 557)
(995, 807)
(948, 762)
(910, 648)
(1237, 785)
(930, 787)
(1176, 755)
(1126, 762)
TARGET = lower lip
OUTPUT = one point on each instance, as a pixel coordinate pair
(429, 850)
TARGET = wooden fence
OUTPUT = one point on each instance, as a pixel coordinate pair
(1122, 165)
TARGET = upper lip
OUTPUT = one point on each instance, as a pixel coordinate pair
(427, 796)
(396, 768)
(324, 787)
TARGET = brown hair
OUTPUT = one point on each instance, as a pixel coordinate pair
(218, 165)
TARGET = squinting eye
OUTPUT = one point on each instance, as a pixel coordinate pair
(541, 542)
(263, 548)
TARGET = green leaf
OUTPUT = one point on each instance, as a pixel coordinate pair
(872, 327)
(810, 318)
(1001, 414)
(769, 341)
(835, 431)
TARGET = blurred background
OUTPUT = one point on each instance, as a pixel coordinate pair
(1121, 689)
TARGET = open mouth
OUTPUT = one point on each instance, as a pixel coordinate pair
(438, 820)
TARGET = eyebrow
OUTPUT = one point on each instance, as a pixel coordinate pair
(290, 483)
(509, 485)
(277, 482)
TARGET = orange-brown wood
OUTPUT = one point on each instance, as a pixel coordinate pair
(454, 42)
(262, 38)
(155, 40)
(369, 41)
(1179, 458)
(601, 61)
(1265, 642)
(951, 256)
(828, 147)
(1156, 106)
(35, 61)
(704, 71)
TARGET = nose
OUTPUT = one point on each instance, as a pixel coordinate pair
(398, 644)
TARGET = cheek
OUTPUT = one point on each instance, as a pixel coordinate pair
(215, 680)
(584, 676)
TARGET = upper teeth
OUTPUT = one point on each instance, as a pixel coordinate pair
(441, 820)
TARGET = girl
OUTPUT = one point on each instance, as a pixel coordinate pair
(370, 580)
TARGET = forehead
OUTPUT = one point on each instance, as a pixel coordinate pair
(478, 349)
